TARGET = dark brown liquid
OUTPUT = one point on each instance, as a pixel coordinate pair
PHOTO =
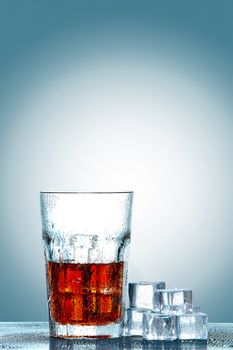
(85, 294)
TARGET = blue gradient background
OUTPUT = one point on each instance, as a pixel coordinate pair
(120, 95)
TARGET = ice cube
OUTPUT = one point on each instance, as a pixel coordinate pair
(158, 326)
(192, 326)
(195, 309)
(180, 296)
(174, 301)
(142, 294)
(175, 310)
(133, 322)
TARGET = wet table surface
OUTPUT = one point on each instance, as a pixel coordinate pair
(35, 335)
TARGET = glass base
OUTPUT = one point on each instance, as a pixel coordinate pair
(112, 330)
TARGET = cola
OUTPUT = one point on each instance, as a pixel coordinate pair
(85, 294)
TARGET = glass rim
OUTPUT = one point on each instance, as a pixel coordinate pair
(86, 192)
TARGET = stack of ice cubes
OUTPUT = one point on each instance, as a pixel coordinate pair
(157, 313)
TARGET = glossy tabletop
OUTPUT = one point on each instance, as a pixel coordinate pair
(35, 335)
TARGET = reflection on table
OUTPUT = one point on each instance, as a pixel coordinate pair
(122, 344)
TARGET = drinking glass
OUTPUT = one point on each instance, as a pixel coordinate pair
(86, 239)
